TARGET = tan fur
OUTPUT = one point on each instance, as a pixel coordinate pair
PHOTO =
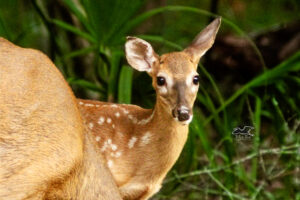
(139, 170)
(44, 151)
(141, 145)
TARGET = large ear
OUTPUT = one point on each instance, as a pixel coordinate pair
(140, 54)
(203, 41)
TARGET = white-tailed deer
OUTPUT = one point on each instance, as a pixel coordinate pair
(141, 145)
(44, 150)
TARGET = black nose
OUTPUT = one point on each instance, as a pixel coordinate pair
(183, 115)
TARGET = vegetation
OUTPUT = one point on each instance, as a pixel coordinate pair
(85, 40)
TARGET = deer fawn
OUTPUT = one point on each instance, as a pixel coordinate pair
(141, 145)
(44, 150)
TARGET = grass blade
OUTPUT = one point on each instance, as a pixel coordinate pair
(80, 52)
(74, 30)
(85, 84)
(161, 40)
(291, 64)
(125, 85)
(113, 74)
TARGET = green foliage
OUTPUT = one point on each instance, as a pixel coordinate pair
(125, 83)
(85, 40)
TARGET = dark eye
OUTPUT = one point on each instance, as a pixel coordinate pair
(160, 80)
(196, 80)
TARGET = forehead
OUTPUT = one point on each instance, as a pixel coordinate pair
(178, 64)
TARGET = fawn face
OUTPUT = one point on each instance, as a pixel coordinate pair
(174, 75)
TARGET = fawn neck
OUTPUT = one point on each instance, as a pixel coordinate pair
(166, 127)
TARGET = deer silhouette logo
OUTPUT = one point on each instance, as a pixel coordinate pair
(245, 131)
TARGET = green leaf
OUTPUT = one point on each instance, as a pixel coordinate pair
(85, 84)
(3, 30)
(113, 74)
(80, 52)
(257, 122)
(107, 17)
(125, 85)
(161, 40)
(73, 29)
(73, 6)
(197, 127)
(268, 77)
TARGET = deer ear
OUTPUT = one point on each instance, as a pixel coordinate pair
(140, 54)
(203, 41)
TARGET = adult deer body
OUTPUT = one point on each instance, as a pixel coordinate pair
(140, 145)
(44, 150)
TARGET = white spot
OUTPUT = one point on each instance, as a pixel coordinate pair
(97, 138)
(109, 163)
(133, 119)
(117, 114)
(118, 154)
(97, 106)
(120, 134)
(114, 147)
(108, 120)
(89, 105)
(147, 120)
(80, 103)
(113, 125)
(91, 125)
(131, 142)
(145, 139)
(104, 146)
(114, 106)
(109, 141)
(125, 111)
(101, 120)
(162, 90)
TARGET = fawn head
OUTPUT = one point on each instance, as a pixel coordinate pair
(174, 75)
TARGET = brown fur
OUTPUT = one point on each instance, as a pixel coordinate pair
(141, 145)
(44, 151)
(140, 170)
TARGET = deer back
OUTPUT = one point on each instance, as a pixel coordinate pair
(42, 143)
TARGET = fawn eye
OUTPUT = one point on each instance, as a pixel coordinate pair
(196, 79)
(160, 80)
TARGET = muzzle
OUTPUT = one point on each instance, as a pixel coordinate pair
(182, 113)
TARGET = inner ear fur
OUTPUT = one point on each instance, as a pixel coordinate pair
(140, 54)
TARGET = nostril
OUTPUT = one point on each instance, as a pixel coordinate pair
(183, 116)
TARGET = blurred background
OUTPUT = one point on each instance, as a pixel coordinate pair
(250, 77)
